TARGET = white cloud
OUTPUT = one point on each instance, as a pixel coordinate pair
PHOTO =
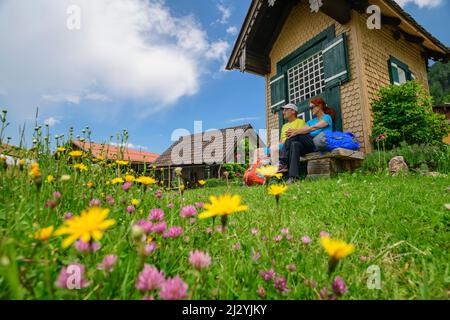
(420, 3)
(232, 30)
(74, 98)
(226, 13)
(125, 49)
(129, 146)
(62, 98)
(51, 121)
(97, 97)
(245, 119)
(218, 51)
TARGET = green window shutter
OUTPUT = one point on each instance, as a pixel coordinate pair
(278, 94)
(335, 59)
(393, 72)
(395, 68)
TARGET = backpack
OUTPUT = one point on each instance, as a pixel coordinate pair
(345, 140)
(251, 177)
(328, 141)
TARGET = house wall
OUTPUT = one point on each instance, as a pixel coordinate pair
(368, 51)
(376, 47)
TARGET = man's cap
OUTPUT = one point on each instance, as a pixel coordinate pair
(291, 106)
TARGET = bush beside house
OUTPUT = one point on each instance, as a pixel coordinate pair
(405, 113)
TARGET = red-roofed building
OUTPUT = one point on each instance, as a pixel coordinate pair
(137, 158)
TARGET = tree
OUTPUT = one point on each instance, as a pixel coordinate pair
(439, 82)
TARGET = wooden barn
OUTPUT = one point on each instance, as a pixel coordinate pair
(203, 155)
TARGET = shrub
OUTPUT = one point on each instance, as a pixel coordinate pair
(404, 113)
(420, 158)
(235, 168)
(212, 183)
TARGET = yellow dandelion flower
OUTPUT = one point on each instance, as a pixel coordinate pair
(135, 202)
(336, 249)
(21, 162)
(146, 180)
(61, 149)
(35, 172)
(76, 154)
(129, 178)
(98, 159)
(269, 172)
(201, 182)
(50, 179)
(80, 167)
(223, 205)
(91, 224)
(121, 162)
(117, 180)
(276, 189)
(44, 234)
(89, 184)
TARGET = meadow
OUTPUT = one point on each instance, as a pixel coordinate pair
(351, 237)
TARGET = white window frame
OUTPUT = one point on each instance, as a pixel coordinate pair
(306, 79)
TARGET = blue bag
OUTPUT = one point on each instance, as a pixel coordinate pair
(345, 140)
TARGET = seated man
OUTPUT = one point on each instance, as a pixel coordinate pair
(290, 112)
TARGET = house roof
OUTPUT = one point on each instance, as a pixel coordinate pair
(264, 22)
(165, 159)
(14, 151)
(110, 152)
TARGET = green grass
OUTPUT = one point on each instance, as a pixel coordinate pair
(400, 222)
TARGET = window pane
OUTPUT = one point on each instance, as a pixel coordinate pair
(401, 75)
(306, 79)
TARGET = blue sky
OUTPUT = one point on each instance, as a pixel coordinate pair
(115, 86)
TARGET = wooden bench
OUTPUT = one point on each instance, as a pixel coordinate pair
(326, 164)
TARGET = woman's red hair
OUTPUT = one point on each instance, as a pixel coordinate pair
(322, 104)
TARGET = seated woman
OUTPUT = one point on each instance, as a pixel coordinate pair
(300, 141)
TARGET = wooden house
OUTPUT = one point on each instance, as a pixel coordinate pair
(329, 48)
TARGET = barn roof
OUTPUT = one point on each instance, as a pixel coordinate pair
(113, 153)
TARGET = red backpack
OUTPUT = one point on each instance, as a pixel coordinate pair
(251, 177)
